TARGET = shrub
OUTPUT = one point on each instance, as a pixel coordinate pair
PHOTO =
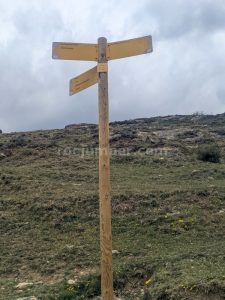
(87, 288)
(19, 141)
(210, 153)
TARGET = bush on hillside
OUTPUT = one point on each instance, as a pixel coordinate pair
(210, 153)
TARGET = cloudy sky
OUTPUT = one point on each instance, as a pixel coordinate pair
(185, 73)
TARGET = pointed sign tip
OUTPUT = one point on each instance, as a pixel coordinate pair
(54, 56)
(70, 88)
(149, 50)
(54, 46)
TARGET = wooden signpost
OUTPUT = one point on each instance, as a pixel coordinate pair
(102, 52)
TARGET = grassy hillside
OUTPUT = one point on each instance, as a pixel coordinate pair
(168, 210)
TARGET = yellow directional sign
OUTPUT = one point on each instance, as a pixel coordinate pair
(129, 47)
(75, 51)
(82, 51)
(83, 81)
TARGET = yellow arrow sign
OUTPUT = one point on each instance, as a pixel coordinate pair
(83, 81)
(129, 47)
(75, 51)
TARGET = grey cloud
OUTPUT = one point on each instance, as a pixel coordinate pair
(184, 74)
(174, 19)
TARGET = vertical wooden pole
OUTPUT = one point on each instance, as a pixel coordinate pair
(104, 178)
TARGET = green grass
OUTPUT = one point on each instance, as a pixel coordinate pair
(168, 213)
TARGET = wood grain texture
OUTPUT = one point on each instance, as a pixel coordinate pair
(83, 81)
(74, 51)
(130, 47)
(104, 179)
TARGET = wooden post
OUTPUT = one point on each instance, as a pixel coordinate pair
(81, 51)
(104, 176)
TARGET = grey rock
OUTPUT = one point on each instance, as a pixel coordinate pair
(24, 285)
(27, 298)
(71, 282)
(115, 252)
